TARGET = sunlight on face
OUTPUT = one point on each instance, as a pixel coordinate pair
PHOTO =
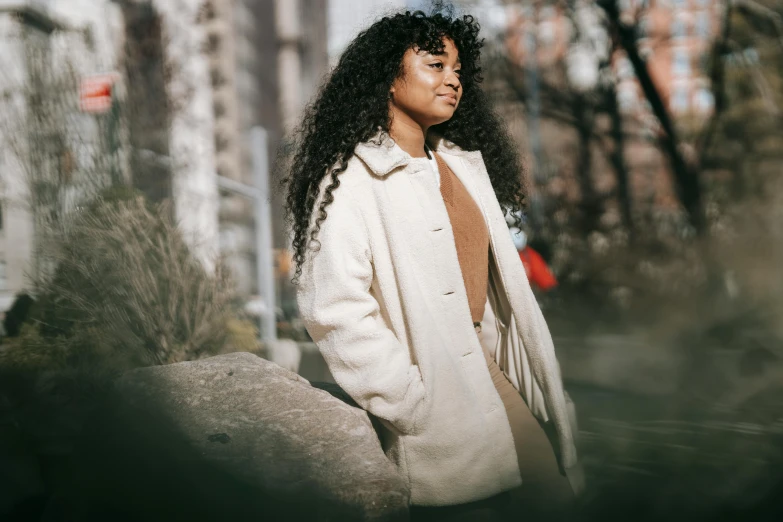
(429, 90)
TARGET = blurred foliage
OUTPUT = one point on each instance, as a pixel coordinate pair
(659, 275)
(242, 336)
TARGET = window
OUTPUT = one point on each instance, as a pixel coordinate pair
(207, 12)
(751, 55)
(679, 99)
(681, 63)
(679, 28)
(547, 13)
(213, 43)
(704, 61)
(703, 26)
(704, 101)
(650, 126)
(643, 28)
(217, 77)
(546, 33)
(626, 98)
(218, 108)
(624, 68)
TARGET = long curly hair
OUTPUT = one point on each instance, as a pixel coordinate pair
(353, 105)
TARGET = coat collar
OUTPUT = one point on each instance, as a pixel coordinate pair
(382, 155)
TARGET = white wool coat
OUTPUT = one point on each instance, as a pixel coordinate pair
(384, 300)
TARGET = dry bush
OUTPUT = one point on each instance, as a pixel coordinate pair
(125, 273)
(124, 292)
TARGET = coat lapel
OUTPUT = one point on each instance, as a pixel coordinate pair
(468, 166)
(536, 362)
(457, 166)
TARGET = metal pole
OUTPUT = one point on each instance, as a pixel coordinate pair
(263, 218)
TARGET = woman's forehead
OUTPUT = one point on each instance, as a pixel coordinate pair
(448, 51)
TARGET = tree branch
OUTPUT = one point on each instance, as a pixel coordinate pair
(717, 79)
(685, 174)
(763, 86)
(760, 13)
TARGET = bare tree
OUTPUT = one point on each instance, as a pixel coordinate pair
(617, 159)
(686, 173)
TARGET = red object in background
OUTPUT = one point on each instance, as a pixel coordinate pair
(95, 93)
(538, 272)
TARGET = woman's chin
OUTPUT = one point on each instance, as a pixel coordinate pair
(442, 117)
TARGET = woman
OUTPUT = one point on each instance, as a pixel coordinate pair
(408, 280)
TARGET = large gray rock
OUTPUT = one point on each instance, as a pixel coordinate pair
(20, 471)
(235, 437)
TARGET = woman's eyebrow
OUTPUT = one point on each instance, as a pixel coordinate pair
(444, 54)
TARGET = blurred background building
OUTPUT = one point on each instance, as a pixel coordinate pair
(348, 17)
(46, 45)
(17, 23)
(189, 79)
(674, 38)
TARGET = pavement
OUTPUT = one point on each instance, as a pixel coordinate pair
(662, 438)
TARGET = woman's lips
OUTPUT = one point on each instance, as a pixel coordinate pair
(450, 98)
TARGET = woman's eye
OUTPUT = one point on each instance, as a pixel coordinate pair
(437, 65)
(458, 71)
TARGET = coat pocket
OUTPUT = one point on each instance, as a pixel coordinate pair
(474, 368)
(422, 409)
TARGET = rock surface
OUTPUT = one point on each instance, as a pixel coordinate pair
(20, 477)
(235, 437)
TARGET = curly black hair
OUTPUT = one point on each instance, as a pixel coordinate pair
(353, 105)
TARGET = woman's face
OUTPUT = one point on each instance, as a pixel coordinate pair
(429, 90)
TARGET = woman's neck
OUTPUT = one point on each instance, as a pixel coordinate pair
(408, 135)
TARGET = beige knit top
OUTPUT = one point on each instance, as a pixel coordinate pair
(470, 236)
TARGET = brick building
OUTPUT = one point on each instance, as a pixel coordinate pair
(675, 39)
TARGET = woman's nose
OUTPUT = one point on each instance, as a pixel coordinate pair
(452, 80)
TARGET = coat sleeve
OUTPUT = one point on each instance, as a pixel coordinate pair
(343, 318)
